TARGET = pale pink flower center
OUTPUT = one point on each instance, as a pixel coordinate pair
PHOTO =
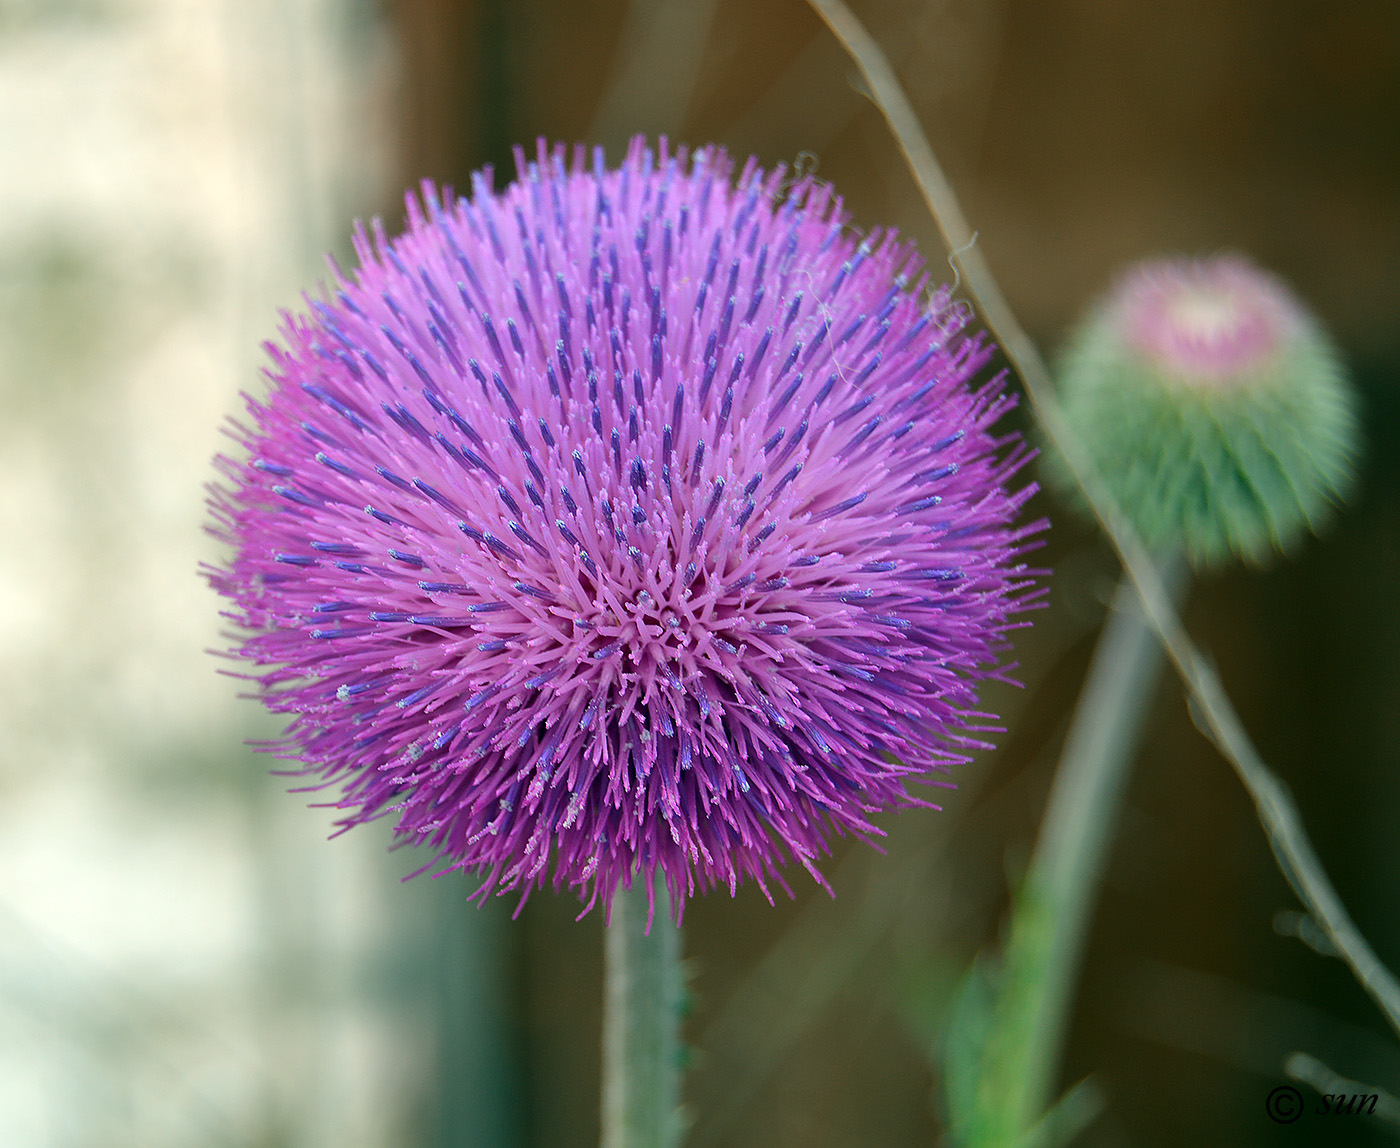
(1214, 323)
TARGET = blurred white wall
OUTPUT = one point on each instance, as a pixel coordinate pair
(182, 956)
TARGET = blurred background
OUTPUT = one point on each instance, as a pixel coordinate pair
(185, 961)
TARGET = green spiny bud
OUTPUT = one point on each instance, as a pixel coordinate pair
(1214, 406)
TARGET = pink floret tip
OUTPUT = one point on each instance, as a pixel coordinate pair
(1215, 322)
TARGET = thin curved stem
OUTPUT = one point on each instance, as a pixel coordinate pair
(1272, 800)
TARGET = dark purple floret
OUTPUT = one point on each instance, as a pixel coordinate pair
(627, 520)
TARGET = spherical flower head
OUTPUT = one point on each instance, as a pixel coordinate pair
(1213, 405)
(626, 520)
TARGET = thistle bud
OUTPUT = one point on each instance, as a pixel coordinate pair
(1214, 406)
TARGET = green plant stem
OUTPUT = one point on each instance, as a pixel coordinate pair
(1272, 801)
(1082, 812)
(1002, 1099)
(641, 1022)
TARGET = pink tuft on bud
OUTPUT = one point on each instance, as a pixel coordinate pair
(1214, 322)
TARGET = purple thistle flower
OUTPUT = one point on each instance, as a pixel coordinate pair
(623, 520)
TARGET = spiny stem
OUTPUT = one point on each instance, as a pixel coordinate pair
(1272, 801)
(641, 1021)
